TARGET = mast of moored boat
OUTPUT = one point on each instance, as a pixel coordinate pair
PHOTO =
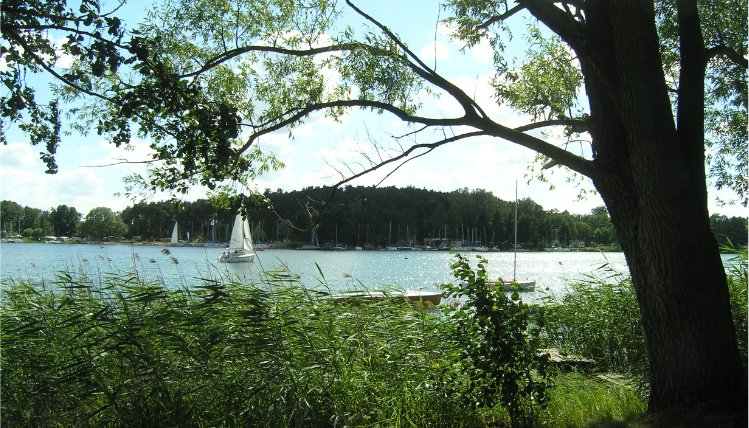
(515, 263)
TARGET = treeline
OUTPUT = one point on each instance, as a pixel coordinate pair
(352, 216)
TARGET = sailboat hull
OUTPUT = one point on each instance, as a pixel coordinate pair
(518, 285)
(236, 258)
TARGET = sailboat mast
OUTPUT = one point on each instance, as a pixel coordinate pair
(515, 263)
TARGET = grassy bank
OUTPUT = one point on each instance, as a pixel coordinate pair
(120, 350)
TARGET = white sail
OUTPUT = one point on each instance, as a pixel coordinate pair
(241, 239)
(175, 234)
(240, 244)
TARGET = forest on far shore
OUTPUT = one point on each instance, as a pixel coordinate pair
(352, 216)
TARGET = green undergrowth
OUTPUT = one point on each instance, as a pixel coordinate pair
(119, 350)
(599, 319)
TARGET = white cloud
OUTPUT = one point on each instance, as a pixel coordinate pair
(80, 188)
(435, 50)
(483, 52)
(445, 28)
(279, 143)
(17, 155)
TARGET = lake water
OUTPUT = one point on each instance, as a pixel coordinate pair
(341, 271)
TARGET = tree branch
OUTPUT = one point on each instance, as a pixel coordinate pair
(559, 21)
(470, 107)
(574, 162)
(499, 18)
(728, 53)
(41, 63)
(405, 156)
(578, 125)
(299, 114)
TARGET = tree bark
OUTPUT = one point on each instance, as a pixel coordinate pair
(651, 176)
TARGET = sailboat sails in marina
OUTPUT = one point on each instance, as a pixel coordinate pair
(240, 245)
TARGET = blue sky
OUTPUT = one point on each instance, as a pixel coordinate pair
(485, 163)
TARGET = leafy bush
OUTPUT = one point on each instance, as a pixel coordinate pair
(497, 345)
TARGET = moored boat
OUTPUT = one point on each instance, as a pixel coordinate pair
(174, 241)
(517, 285)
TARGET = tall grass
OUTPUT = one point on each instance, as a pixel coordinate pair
(115, 349)
(599, 319)
(738, 281)
(120, 351)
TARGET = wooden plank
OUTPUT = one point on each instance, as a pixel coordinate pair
(567, 362)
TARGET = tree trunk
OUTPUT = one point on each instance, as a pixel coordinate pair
(651, 177)
(683, 298)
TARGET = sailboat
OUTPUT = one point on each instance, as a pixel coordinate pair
(515, 285)
(240, 246)
(174, 242)
(337, 247)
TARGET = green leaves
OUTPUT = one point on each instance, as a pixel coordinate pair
(498, 345)
(547, 84)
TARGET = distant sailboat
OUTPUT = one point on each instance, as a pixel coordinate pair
(337, 247)
(240, 245)
(174, 242)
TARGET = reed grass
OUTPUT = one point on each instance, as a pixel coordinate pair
(599, 319)
(115, 349)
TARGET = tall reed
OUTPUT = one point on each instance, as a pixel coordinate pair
(117, 350)
(90, 348)
(599, 318)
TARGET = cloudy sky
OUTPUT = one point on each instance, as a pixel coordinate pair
(91, 173)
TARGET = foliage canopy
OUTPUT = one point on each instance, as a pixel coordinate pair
(206, 80)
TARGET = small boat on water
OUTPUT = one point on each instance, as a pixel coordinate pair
(314, 243)
(517, 285)
(240, 246)
(414, 296)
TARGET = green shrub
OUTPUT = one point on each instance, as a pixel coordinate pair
(497, 345)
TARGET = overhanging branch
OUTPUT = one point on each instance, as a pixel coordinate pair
(559, 155)
(578, 125)
(500, 18)
(295, 116)
(729, 54)
(406, 156)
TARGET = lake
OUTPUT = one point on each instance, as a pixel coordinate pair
(341, 270)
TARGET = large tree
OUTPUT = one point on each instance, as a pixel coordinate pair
(102, 223)
(207, 80)
(64, 220)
